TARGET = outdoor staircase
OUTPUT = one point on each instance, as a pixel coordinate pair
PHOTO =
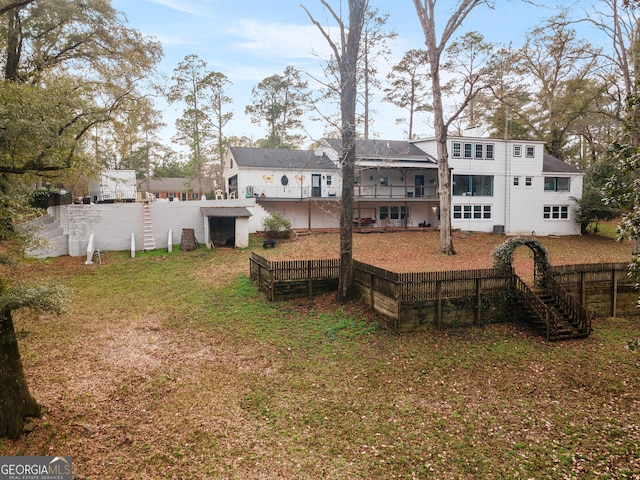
(53, 241)
(553, 311)
(148, 235)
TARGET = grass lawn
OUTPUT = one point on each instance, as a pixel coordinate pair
(172, 365)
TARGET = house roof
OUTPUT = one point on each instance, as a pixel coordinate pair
(280, 158)
(225, 212)
(555, 165)
(374, 149)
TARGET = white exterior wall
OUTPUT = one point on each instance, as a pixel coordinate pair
(518, 209)
(113, 224)
(302, 215)
(269, 182)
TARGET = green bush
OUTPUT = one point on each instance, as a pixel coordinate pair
(277, 225)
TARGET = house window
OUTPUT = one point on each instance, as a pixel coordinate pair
(393, 212)
(556, 212)
(474, 185)
(528, 181)
(517, 150)
(456, 150)
(479, 151)
(468, 150)
(516, 181)
(384, 181)
(556, 184)
(530, 151)
(489, 149)
(329, 180)
(475, 212)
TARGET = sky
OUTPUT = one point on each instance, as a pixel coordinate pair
(249, 40)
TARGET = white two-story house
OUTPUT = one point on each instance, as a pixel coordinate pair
(510, 186)
(500, 186)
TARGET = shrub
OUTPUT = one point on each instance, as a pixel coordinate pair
(277, 225)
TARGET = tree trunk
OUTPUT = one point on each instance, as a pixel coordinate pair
(348, 93)
(14, 46)
(444, 175)
(16, 403)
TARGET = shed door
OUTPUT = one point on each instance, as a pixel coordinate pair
(222, 231)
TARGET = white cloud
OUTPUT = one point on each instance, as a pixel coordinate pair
(199, 8)
(280, 40)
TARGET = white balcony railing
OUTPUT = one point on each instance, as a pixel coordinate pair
(361, 192)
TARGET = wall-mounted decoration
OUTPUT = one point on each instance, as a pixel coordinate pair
(268, 178)
(284, 180)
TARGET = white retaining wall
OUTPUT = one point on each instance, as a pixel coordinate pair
(113, 224)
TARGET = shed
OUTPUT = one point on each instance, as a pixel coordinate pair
(226, 226)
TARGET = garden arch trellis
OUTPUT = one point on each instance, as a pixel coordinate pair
(503, 257)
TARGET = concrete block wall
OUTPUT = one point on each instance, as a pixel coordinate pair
(113, 224)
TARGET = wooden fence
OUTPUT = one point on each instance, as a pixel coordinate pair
(414, 301)
(604, 288)
(294, 278)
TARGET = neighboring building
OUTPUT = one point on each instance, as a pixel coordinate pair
(167, 189)
(501, 186)
(113, 186)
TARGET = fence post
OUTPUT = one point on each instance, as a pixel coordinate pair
(309, 281)
(439, 304)
(477, 313)
(371, 293)
(614, 291)
(583, 288)
(273, 284)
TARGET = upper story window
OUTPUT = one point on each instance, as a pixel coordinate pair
(329, 180)
(530, 151)
(456, 150)
(468, 150)
(474, 185)
(517, 150)
(489, 151)
(556, 184)
(479, 151)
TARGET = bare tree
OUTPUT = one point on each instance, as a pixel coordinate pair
(426, 10)
(619, 21)
(345, 53)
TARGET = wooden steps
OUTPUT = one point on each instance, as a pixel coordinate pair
(553, 311)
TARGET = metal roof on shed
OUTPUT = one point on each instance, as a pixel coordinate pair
(231, 212)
